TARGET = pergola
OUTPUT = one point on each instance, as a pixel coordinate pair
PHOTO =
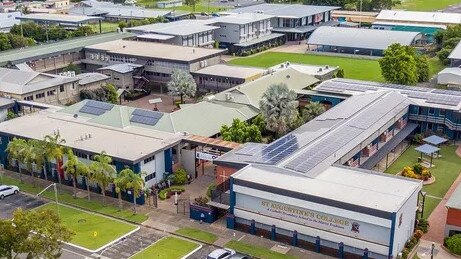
(435, 140)
(427, 150)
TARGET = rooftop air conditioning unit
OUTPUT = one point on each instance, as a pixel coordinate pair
(228, 96)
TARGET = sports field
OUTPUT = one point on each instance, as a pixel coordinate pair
(426, 5)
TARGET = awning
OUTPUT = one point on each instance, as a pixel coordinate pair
(211, 142)
(301, 29)
(387, 147)
(435, 140)
(427, 149)
(260, 39)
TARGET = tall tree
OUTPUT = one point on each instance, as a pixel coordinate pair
(111, 93)
(279, 108)
(85, 171)
(241, 132)
(312, 110)
(422, 68)
(33, 233)
(55, 151)
(16, 153)
(74, 168)
(398, 65)
(127, 180)
(103, 172)
(33, 157)
(182, 84)
(191, 3)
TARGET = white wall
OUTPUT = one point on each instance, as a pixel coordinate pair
(160, 166)
(188, 160)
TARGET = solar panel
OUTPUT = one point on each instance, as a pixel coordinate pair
(448, 92)
(145, 117)
(99, 105)
(92, 110)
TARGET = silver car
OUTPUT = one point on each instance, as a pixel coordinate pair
(222, 253)
(6, 190)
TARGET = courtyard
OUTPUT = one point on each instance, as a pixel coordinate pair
(447, 169)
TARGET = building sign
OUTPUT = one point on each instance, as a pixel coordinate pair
(205, 156)
(315, 219)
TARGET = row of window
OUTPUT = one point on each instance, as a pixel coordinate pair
(149, 177)
(48, 93)
(123, 59)
(166, 64)
(147, 160)
(81, 155)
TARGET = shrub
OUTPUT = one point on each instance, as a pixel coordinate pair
(423, 225)
(418, 234)
(453, 244)
(418, 168)
(165, 193)
(180, 177)
(405, 253)
(201, 201)
(210, 188)
(418, 138)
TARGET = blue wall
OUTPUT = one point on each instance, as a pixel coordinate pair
(333, 100)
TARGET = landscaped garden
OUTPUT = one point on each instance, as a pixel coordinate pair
(256, 251)
(67, 198)
(167, 248)
(198, 234)
(92, 231)
(446, 170)
(354, 68)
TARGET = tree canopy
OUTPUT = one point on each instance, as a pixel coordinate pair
(241, 132)
(279, 108)
(35, 233)
(446, 41)
(402, 65)
(182, 84)
(312, 110)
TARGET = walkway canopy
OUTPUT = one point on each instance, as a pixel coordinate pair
(435, 140)
(427, 150)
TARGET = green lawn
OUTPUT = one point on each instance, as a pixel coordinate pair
(426, 5)
(354, 68)
(167, 248)
(198, 234)
(92, 231)
(105, 26)
(201, 6)
(82, 203)
(446, 170)
(256, 251)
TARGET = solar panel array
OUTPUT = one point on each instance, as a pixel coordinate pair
(317, 153)
(145, 117)
(275, 152)
(96, 108)
(436, 96)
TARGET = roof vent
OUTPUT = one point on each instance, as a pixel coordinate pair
(288, 76)
(76, 116)
(327, 67)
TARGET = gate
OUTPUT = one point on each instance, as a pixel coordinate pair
(183, 207)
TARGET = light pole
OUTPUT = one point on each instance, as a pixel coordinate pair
(117, 243)
(432, 250)
(55, 195)
(360, 15)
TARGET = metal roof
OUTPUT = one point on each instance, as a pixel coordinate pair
(260, 39)
(284, 10)
(121, 68)
(7, 20)
(88, 78)
(154, 36)
(109, 9)
(177, 28)
(53, 49)
(223, 70)
(419, 17)
(439, 98)
(456, 52)
(435, 140)
(427, 149)
(58, 18)
(240, 18)
(338, 183)
(360, 38)
(454, 201)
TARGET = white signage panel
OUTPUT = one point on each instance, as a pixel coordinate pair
(206, 156)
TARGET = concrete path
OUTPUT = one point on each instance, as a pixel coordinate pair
(425, 247)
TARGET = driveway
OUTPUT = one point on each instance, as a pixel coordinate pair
(10, 203)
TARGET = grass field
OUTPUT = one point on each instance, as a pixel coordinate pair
(201, 6)
(446, 170)
(426, 5)
(256, 251)
(198, 234)
(91, 231)
(354, 68)
(167, 248)
(82, 203)
(105, 26)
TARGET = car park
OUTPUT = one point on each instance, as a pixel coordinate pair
(7, 190)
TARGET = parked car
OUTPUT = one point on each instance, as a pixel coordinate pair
(223, 253)
(215, 15)
(6, 190)
(240, 256)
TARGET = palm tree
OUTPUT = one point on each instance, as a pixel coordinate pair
(128, 180)
(54, 150)
(15, 150)
(103, 172)
(86, 172)
(70, 167)
(33, 157)
(279, 108)
(312, 110)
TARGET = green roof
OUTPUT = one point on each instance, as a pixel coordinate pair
(17, 56)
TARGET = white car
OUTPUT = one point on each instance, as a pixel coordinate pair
(6, 190)
(223, 253)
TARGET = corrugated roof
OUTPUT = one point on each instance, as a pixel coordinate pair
(284, 10)
(109, 9)
(419, 17)
(223, 70)
(88, 78)
(121, 68)
(360, 38)
(456, 53)
(177, 28)
(59, 18)
(455, 199)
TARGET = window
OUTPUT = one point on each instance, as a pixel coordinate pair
(40, 95)
(442, 112)
(29, 98)
(429, 126)
(149, 159)
(149, 177)
(61, 88)
(51, 93)
(81, 155)
(431, 111)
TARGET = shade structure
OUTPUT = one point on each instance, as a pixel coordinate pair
(428, 150)
(435, 140)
